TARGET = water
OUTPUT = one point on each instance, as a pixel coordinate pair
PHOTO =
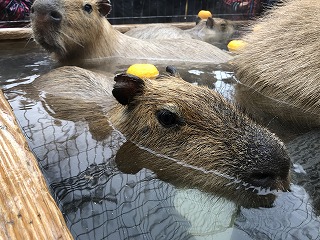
(100, 202)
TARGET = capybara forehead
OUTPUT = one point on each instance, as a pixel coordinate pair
(187, 100)
(78, 5)
(178, 89)
(78, 2)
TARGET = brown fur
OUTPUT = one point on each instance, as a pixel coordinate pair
(208, 132)
(281, 61)
(80, 35)
(216, 31)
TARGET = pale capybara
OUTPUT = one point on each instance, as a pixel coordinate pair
(216, 31)
(281, 62)
(188, 135)
(77, 30)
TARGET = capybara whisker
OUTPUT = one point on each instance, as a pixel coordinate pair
(28, 41)
(72, 39)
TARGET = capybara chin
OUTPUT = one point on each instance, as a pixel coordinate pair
(77, 30)
(282, 60)
(216, 31)
(188, 135)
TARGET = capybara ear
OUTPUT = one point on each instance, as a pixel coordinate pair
(104, 7)
(198, 20)
(127, 86)
(210, 22)
(172, 70)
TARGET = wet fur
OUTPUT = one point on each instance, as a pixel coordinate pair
(282, 62)
(216, 136)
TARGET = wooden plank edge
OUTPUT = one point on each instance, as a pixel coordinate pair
(27, 209)
(26, 33)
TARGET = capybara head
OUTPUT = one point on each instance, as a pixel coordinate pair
(64, 27)
(192, 136)
(188, 135)
(214, 30)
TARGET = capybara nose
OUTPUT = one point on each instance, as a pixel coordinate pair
(269, 167)
(274, 176)
(269, 179)
(46, 12)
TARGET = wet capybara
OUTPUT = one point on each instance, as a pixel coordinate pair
(216, 31)
(77, 30)
(281, 62)
(188, 135)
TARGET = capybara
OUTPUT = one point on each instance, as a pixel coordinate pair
(216, 31)
(188, 135)
(281, 62)
(77, 30)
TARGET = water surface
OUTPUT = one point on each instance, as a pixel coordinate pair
(100, 202)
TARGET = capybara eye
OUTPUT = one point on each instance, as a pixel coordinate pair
(87, 8)
(223, 26)
(168, 119)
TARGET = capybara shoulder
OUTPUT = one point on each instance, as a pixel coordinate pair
(282, 59)
(188, 135)
(78, 30)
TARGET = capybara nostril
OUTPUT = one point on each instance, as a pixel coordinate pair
(55, 16)
(262, 179)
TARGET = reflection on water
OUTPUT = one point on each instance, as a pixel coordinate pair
(292, 217)
(100, 202)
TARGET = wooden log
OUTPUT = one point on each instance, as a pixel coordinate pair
(126, 27)
(27, 210)
(26, 33)
(15, 33)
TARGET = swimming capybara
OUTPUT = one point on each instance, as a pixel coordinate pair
(188, 135)
(216, 31)
(281, 62)
(77, 30)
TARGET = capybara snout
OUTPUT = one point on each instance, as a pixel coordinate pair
(269, 164)
(46, 12)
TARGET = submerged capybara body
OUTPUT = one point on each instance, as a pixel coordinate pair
(216, 31)
(77, 30)
(281, 62)
(188, 135)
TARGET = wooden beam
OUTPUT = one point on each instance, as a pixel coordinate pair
(26, 33)
(15, 33)
(27, 210)
(126, 27)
